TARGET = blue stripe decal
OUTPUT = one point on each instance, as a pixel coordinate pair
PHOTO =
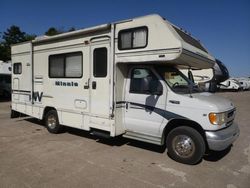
(164, 113)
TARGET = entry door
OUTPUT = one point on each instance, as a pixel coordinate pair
(99, 82)
(144, 110)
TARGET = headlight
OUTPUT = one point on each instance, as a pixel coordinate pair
(217, 118)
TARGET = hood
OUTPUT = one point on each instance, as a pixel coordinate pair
(220, 104)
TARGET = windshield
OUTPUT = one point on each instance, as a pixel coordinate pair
(177, 81)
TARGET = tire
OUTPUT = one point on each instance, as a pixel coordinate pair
(191, 140)
(52, 123)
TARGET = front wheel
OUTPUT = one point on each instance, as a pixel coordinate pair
(52, 123)
(185, 145)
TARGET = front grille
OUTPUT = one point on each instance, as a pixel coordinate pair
(230, 117)
(230, 114)
(229, 123)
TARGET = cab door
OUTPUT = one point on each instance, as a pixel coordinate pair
(145, 102)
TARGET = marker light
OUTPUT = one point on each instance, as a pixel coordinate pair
(217, 118)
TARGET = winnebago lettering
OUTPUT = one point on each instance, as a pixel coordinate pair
(60, 83)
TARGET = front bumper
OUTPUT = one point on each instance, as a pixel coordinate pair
(221, 139)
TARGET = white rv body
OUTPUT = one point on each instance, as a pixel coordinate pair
(119, 79)
(5, 67)
(244, 82)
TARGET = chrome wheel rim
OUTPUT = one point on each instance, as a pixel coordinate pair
(183, 146)
(52, 122)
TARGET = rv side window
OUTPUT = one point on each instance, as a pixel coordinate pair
(65, 65)
(73, 66)
(100, 62)
(133, 38)
(17, 68)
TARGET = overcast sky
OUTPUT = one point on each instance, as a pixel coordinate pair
(223, 26)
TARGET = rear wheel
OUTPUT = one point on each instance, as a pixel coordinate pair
(185, 145)
(52, 123)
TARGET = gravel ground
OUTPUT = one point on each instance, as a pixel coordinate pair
(32, 157)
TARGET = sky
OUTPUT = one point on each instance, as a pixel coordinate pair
(223, 26)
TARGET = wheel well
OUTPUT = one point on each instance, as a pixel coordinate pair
(47, 109)
(182, 122)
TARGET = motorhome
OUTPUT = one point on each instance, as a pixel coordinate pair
(123, 79)
(208, 79)
(221, 72)
(244, 82)
(231, 84)
(5, 79)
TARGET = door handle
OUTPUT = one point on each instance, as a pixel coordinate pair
(174, 102)
(94, 85)
(86, 86)
(126, 105)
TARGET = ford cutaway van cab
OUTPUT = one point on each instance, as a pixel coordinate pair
(123, 79)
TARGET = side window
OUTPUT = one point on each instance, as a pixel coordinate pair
(17, 68)
(73, 66)
(56, 66)
(143, 81)
(133, 38)
(100, 62)
(65, 65)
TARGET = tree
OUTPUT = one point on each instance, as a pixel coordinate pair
(53, 31)
(29, 37)
(12, 35)
(72, 29)
(4, 53)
